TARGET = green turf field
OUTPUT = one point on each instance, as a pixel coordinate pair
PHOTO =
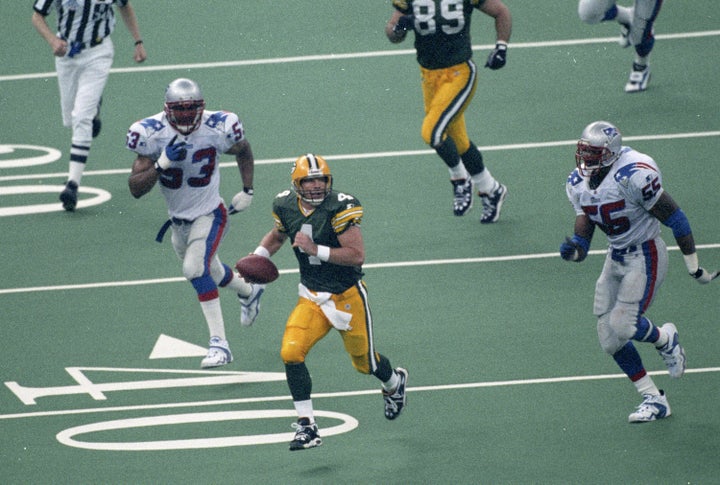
(508, 385)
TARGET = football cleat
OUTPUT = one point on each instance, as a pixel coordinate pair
(672, 352)
(218, 354)
(492, 203)
(69, 197)
(639, 79)
(250, 305)
(651, 409)
(306, 435)
(396, 400)
(463, 196)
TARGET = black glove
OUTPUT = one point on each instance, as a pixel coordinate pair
(404, 23)
(497, 57)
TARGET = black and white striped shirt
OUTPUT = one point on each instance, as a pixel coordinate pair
(87, 22)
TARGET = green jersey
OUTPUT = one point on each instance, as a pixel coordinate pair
(334, 216)
(442, 30)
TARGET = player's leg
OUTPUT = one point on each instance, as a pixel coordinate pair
(642, 37)
(360, 346)
(202, 242)
(305, 326)
(92, 70)
(443, 97)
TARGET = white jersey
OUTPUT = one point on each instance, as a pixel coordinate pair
(192, 186)
(620, 205)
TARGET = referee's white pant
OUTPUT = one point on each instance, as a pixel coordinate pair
(82, 79)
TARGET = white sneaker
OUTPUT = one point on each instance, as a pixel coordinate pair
(218, 354)
(639, 79)
(672, 352)
(250, 305)
(652, 408)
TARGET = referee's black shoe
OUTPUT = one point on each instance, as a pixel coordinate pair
(69, 197)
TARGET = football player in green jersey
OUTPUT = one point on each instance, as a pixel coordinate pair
(449, 79)
(323, 227)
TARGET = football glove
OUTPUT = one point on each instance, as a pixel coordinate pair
(703, 276)
(173, 152)
(574, 249)
(404, 23)
(241, 201)
(497, 57)
(700, 274)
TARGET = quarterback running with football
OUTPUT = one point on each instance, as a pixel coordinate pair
(449, 80)
(636, 30)
(180, 149)
(323, 227)
(620, 191)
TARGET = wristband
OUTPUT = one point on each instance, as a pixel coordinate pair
(262, 251)
(138, 42)
(691, 261)
(679, 223)
(323, 253)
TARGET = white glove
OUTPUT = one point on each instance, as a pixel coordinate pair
(703, 276)
(241, 201)
(700, 274)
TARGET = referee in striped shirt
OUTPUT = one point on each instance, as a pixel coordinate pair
(83, 54)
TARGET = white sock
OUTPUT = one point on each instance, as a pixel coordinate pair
(458, 172)
(391, 383)
(646, 386)
(305, 410)
(624, 15)
(76, 172)
(214, 318)
(484, 182)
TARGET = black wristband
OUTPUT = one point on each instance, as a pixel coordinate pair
(138, 42)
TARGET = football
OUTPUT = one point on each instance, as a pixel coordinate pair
(257, 269)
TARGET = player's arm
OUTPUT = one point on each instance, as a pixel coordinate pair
(397, 27)
(271, 242)
(576, 248)
(127, 13)
(503, 19)
(246, 164)
(143, 176)
(667, 211)
(350, 253)
(58, 46)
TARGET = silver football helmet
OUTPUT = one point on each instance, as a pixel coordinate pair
(599, 146)
(184, 105)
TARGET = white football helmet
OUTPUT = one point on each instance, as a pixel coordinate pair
(309, 167)
(184, 105)
(599, 146)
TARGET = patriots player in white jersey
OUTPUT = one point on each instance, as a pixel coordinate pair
(180, 148)
(636, 30)
(620, 191)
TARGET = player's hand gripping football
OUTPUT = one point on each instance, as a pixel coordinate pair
(497, 57)
(173, 152)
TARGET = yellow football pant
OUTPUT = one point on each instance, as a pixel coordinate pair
(307, 325)
(447, 94)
